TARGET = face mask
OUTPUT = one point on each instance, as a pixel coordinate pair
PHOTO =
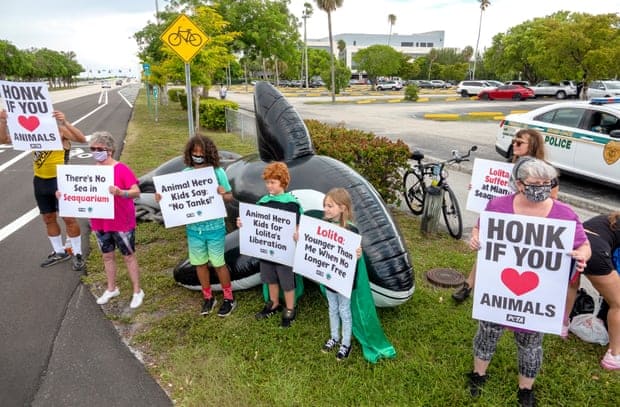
(537, 193)
(198, 159)
(100, 156)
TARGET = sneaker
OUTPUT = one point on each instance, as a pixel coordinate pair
(330, 345)
(227, 308)
(107, 296)
(526, 398)
(462, 293)
(343, 353)
(78, 263)
(611, 362)
(268, 310)
(288, 316)
(476, 382)
(136, 299)
(208, 305)
(55, 258)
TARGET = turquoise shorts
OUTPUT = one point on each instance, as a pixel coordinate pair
(206, 246)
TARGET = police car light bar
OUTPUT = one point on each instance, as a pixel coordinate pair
(604, 101)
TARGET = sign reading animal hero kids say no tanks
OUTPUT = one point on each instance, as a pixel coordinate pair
(85, 191)
(326, 253)
(30, 121)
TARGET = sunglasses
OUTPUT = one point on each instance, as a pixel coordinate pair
(98, 149)
(519, 143)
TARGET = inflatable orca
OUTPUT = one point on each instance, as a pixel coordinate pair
(283, 136)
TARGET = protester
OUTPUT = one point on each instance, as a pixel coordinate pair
(120, 231)
(45, 186)
(223, 92)
(532, 179)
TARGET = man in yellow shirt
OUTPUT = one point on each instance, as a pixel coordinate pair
(45, 187)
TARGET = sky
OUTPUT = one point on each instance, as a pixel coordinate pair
(100, 32)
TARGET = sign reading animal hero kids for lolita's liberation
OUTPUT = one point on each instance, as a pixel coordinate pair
(489, 179)
(267, 233)
(30, 121)
(85, 191)
(189, 197)
(523, 271)
(326, 253)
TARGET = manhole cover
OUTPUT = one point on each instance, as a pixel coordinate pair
(445, 277)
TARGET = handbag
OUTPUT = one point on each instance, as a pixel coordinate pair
(589, 327)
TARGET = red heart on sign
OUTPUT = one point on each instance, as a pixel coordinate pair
(29, 123)
(519, 283)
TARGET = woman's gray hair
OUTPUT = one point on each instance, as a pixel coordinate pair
(104, 138)
(529, 167)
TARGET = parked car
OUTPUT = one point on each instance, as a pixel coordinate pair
(580, 137)
(317, 83)
(425, 84)
(389, 85)
(514, 92)
(439, 84)
(603, 89)
(119, 82)
(561, 90)
(522, 83)
(495, 83)
(471, 88)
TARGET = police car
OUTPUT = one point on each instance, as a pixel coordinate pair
(581, 137)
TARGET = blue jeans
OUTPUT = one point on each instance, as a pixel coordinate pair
(339, 312)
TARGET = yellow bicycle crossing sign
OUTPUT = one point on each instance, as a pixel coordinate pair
(184, 37)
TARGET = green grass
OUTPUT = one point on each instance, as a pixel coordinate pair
(239, 361)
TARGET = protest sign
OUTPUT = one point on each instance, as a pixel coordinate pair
(85, 191)
(29, 116)
(523, 269)
(267, 233)
(326, 253)
(489, 179)
(189, 197)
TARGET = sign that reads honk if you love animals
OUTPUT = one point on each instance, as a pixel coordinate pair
(267, 233)
(85, 191)
(326, 253)
(30, 121)
(523, 270)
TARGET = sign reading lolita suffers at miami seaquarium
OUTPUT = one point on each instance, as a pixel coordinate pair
(189, 197)
(267, 233)
(489, 179)
(326, 253)
(30, 121)
(523, 271)
(85, 191)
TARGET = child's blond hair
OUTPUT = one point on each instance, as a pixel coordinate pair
(341, 197)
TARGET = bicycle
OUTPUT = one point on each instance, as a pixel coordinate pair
(421, 176)
(186, 35)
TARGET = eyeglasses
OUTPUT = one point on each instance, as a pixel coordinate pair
(98, 149)
(544, 184)
(518, 143)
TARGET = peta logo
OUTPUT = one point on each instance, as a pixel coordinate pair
(517, 319)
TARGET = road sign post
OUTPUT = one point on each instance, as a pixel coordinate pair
(186, 39)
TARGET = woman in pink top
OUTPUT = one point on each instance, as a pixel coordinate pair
(120, 231)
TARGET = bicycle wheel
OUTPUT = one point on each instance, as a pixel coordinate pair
(414, 190)
(174, 39)
(195, 39)
(452, 213)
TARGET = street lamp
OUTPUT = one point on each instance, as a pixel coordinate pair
(306, 13)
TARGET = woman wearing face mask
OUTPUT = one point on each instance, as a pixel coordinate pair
(532, 179)
(120, 231)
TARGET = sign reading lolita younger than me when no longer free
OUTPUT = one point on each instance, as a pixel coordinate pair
(523, 271)
(326, 253)
(267, 233)
(85, 191)
(189, 197)
(489, 179)
(30, 121)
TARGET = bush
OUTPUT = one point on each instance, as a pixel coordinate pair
(173, 94)
(378, 159)
(182, 97)
(411, 93)
(213, 113)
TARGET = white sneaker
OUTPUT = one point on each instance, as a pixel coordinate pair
(136, 300)
(107, 296)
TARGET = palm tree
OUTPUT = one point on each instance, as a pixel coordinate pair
(483, 5)
(306, 13)
(392, 21)
(328, 6)
(342, 46)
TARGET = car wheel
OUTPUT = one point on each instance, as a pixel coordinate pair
(485, 96)
(464, 93)
(560, 95)
(517, 96)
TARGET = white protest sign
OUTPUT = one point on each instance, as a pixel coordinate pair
(30, 121)
(489, 179)
(326, 253)
(522, 271)
(85, 191)
(267, 233)
(189, 197)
